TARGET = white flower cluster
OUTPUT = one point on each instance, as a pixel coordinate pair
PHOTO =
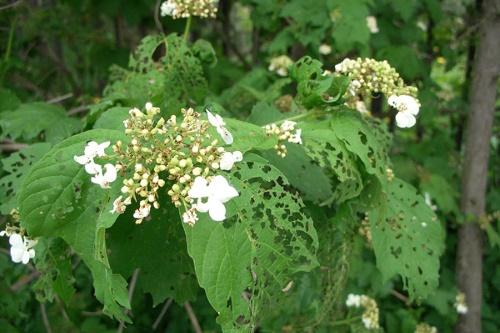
(280, 65)
(460, 304)
(93, 150)
(325, 49)
(370, 76)
(370, 316)
(425, 328)
(186, 8)
(181, 154)
(21, 247)
(286, 132)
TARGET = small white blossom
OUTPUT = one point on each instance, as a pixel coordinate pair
(408, 107)
(229, 158)
(119, 205)
(91, 151)
(428, 201)
(371, 22)
(142, 212)
(168, 8)
(460, 304)
(21, 248)
(353, 300)
(190, 217)
(361, 107)
(280, 65)
(296, 137)
(216, 193)
(216, 121)
(325, 49)
(104, 179)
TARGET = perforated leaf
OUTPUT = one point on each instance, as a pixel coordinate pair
(52, 120)
(363, 140)
(57, 199)
(338, 163)
(16, 166)
(407, 237)
(158, 248)
(249, 257)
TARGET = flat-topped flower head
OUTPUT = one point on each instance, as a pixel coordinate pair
(187, 8)
(212, 195)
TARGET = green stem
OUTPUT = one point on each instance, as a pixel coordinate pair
(345, 321)
(8, 50)
(187, 28)
(299, 116)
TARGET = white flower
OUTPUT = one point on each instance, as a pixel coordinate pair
(462, 308)
(408, 107)
(21, 249)
(280, 65)
(228, 159)
(325, 49)
(371, 22)
(91, 151)
(296, 137)
(120, 205)
(190, 217)
(216, 121)
(428, 201)
(104, 179)
(288, 125)
(168, 8)
(94, 149)
(353, 300)
(142, 212)
(216, 194)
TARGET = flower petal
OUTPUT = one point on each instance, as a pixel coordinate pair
(214, 119)
(225, 135)
(16, 240)
(217, 211)
(199, 189)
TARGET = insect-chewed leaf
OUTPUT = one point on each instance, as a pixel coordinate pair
(360, 138)
(331, 154)
(407, 237)
(242, 262)
(57, 199)
(53, 192)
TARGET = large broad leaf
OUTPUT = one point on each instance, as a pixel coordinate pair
(16, 167)
(158, 248)
(57, 199)
(248, 136)
(407, 237)
(338, 163)
(350, 29)
(242, 262)
(29, 120)
(363, 140)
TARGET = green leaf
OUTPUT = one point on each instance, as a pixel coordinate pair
(50, 119)
(331, 154)
(52, 192)
(8, 100)
(112, 118)
(242, 262)
(407, 237)
(57, 199)
(248, 136)
(158, 248)
(363, 139)
(350, 29)
(16, 166)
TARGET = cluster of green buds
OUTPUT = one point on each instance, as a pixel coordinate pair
(370, 76)
(280, 65)
(365, 230)
(187, 8)
(425, 328)
(165, 153)
(286, 132)
(389, 174)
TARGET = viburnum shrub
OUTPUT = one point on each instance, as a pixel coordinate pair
(252, 210)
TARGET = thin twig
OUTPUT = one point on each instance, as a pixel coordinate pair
(92, 313)
(162, 314)
(79, 109)
(24, 280)
(12, 146)
(59, 99)
(45, 319)
(157, 16)
(192, 317)
(400, 296)
(11, 5)
(133, 282)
